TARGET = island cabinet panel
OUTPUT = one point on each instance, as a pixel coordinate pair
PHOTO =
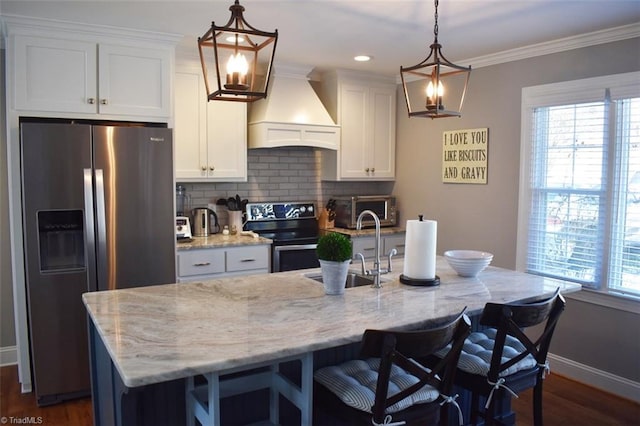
(210, 263)
(210, 137)
(90, 78)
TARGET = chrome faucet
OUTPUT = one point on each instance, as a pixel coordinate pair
(377, 270)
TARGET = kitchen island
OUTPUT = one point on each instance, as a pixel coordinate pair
(168, 333)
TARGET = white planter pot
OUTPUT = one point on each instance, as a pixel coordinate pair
(334, 276)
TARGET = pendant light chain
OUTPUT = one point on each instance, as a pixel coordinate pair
(435, 26)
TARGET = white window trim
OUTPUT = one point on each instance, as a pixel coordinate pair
(576, 91)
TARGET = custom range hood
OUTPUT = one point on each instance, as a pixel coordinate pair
(292, 114)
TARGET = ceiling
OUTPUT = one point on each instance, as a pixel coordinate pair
(329, 33)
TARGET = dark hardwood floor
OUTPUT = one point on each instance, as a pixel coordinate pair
(566, 403)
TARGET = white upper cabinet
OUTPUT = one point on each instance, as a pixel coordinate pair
(55, 75)
(210, 137)
(365, 108)
(67, 70)
(134, 81)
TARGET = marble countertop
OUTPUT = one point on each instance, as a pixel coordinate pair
(220, 240)
(368, 232)
(159, 333)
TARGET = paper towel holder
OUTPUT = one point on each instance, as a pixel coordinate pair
(430, 282)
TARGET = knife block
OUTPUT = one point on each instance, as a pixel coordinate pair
(323, 220)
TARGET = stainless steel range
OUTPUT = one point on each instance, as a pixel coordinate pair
(293, 227)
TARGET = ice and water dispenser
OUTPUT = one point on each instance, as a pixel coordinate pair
(61, 240)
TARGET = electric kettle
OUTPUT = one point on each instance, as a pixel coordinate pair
(205, 222)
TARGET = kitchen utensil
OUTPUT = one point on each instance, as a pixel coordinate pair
(205, 222)
(231, 203)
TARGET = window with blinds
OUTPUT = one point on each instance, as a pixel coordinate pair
(583, 190)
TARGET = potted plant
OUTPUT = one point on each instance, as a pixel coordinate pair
(334, 253)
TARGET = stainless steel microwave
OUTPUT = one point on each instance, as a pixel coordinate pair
(348, 209)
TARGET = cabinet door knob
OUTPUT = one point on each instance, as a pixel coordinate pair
(103, 101)
(212, 168)
(373, 170)
(91, 101)
(366, 170)
(204, 169)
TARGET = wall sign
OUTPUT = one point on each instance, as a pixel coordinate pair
(464, 156)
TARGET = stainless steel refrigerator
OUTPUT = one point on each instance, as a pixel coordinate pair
(97, 215)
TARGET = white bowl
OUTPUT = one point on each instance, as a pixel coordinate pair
(468, 263)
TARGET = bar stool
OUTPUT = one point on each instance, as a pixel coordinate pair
(388, 385)
(503, 358)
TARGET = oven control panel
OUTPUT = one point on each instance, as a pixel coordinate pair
(280, 211)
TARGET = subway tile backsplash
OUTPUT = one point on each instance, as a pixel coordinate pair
(282, 174)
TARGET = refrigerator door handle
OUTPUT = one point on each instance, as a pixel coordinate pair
(89, 230)
(101, 235)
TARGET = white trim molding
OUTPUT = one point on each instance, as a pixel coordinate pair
(603, 380)
(560, 45)
(8, 355)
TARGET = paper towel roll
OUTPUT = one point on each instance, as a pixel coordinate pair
(420, 249)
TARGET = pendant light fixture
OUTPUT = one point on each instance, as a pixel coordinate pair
(442, 83)
(241, 59)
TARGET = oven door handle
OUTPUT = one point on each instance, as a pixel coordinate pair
(296, 247)
(275, 266)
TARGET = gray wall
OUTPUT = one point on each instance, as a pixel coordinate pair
(484, 217)
(7, 334)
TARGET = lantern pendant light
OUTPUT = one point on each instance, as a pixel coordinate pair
(241, 58)
(441, 82)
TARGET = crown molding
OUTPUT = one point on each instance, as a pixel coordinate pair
(555, 46)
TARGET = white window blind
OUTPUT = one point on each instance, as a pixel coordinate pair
(583, 189)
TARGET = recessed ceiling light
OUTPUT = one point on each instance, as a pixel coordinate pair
(362, 58)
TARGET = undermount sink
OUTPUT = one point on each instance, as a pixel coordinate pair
(353, 279)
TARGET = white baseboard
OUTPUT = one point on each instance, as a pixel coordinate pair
(8, 355)
(597, 378)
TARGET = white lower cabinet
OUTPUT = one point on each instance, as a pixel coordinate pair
(210, 263)
(366, 245)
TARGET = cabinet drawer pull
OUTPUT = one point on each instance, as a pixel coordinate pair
(248, 260)
(369, 248)
(202, 264)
